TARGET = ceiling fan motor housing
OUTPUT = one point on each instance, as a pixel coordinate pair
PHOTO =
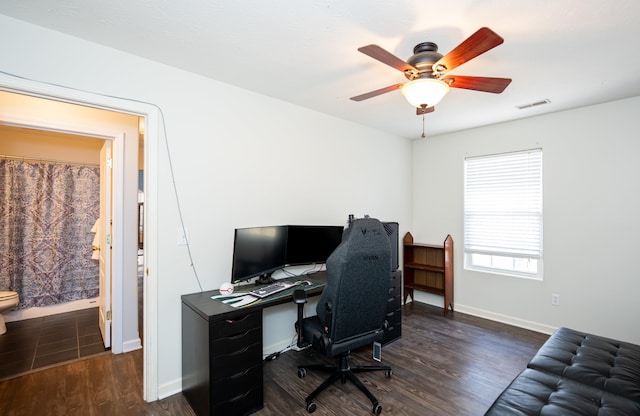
(425, 54)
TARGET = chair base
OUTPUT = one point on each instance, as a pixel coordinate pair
(344, 372)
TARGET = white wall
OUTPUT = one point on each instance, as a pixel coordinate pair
(279, 164)
(591, 192)
(235, 165)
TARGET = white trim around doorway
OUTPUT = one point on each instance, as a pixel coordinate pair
(153, 130)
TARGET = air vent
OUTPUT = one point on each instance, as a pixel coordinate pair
(537, 103)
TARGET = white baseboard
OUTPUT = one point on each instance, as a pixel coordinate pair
(481, 313)
(169, 389)
(280, 346)
(131, 345)
(505, 319)
(41, 311)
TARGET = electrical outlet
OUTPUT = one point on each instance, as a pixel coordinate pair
(182, 235)
(555, 299)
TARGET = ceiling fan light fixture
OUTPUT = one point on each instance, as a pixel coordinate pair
(424, 91)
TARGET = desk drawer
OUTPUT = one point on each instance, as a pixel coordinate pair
(395, 291)
(234, 344)
(396, 279)
(238, 384)
(394, 303)
(233, 327)
(248, 402)
(393, 317)
(227, 365)
(392, 333)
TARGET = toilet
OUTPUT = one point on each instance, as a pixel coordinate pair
(8, 301)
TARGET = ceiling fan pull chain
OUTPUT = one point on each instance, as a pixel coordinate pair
(423, 135)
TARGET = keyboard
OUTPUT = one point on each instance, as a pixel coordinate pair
(270, 289)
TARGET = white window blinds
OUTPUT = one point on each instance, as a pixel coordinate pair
(503, 211)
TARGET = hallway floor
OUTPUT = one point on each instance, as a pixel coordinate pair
(44, 342)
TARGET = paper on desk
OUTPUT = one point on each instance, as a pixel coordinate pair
(236, 300)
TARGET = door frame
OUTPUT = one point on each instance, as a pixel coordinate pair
(103, 232)
(152, 121)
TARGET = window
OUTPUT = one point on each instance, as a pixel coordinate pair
(503, 213)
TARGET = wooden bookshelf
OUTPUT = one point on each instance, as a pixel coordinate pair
(429, 268)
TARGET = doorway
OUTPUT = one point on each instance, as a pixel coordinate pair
(54, 199)
(64, 183)
(87, 102)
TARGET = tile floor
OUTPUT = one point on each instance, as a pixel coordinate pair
(42, 342)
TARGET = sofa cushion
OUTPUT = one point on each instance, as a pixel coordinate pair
(535, 392)
(603, 363)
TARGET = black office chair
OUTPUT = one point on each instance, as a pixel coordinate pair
(351, 309)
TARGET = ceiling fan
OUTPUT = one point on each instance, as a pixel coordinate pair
(426, 70)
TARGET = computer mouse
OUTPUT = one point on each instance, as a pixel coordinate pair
(304, 283)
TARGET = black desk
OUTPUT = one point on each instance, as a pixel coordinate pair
(208, 308)
(222, 348)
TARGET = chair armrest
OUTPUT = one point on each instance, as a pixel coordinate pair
(299, 297)
(328, 307)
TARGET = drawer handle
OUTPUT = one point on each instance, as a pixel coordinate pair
(242, 351)
(235, 321)
(242, 335)
(240, 374)
(238, 397)
(238, 352)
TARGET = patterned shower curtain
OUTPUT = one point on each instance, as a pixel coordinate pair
(47, 211)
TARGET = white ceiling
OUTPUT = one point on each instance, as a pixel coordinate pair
(572, 52)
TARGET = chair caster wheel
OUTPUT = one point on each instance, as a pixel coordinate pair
(377, 409)
(311, 407)
(388, 373)
(302, 372)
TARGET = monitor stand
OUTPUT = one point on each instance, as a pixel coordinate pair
(264, 279)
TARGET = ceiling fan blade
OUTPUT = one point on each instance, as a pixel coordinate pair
(420, 111)
(375, 93)
(485, 84)
(376, 52)
(478, 43)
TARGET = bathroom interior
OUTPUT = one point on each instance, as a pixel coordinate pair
(49, 275)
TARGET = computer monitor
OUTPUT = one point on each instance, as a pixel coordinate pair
(258, 252)
(309, 244)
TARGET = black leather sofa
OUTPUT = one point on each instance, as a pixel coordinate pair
(575, 373)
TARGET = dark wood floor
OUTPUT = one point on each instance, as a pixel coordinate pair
(441, 366)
